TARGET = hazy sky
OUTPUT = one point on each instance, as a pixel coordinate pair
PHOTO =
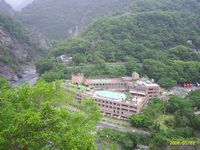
(14, 2)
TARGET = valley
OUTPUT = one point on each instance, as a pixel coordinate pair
(99, 75)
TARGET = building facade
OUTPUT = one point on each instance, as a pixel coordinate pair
(135, 94)
(121, 109)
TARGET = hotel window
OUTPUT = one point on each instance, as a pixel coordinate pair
(133, 107)
(124, 109)
(133, 111)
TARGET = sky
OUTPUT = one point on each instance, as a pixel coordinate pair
(18, 4)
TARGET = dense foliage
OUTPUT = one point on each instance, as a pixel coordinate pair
(7, 57)
(121, 140)
(172, 120)
(35, 118)
(14, 28)
(161, 42)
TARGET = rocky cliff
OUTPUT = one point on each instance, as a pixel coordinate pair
(16, 49)
(6, 8)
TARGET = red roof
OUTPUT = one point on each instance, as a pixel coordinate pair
(103, 80)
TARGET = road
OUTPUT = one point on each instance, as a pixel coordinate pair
(179, 91)
(103, 124)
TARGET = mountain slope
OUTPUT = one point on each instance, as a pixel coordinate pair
(6, 8)
(16, 49)
(160, 42)
(64, 18)
(129, 34)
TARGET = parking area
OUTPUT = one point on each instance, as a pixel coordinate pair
(179, 91)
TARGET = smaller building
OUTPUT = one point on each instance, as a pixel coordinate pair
(108, 83)
(78, 78)
(117, 84)
(65, 59)
(145, 88)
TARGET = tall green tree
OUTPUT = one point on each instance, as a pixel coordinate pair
(36, 118)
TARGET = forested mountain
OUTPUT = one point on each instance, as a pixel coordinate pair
(156, 38)
(6, 8)
(16, 48)
(65, 18)
(170, 5)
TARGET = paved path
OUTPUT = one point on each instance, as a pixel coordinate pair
(102, 124)
(179, 91)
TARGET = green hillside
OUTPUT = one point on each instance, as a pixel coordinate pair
(64, 18)
(161, 42)
(132, 34)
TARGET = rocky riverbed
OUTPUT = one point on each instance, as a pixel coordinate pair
(29, 76)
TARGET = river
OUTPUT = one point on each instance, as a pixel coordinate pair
(30, 76)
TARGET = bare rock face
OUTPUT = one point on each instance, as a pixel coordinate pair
(19, 48)
(14, 53)
(7, 72)
(4, 38)
(39, 39)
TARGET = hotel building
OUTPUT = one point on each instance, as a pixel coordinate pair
(118, 97)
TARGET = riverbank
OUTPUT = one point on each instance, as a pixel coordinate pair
(29, 76)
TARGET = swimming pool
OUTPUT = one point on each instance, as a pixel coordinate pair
(111, 95)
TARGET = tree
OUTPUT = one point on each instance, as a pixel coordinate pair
(79, 58)
(51, 76)
(177, 103)
(167, 82)
(194, 97)
(36, 119)
(44, 65)
(141, 121)
(182, 110)
(4, 84)
(181, 52)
